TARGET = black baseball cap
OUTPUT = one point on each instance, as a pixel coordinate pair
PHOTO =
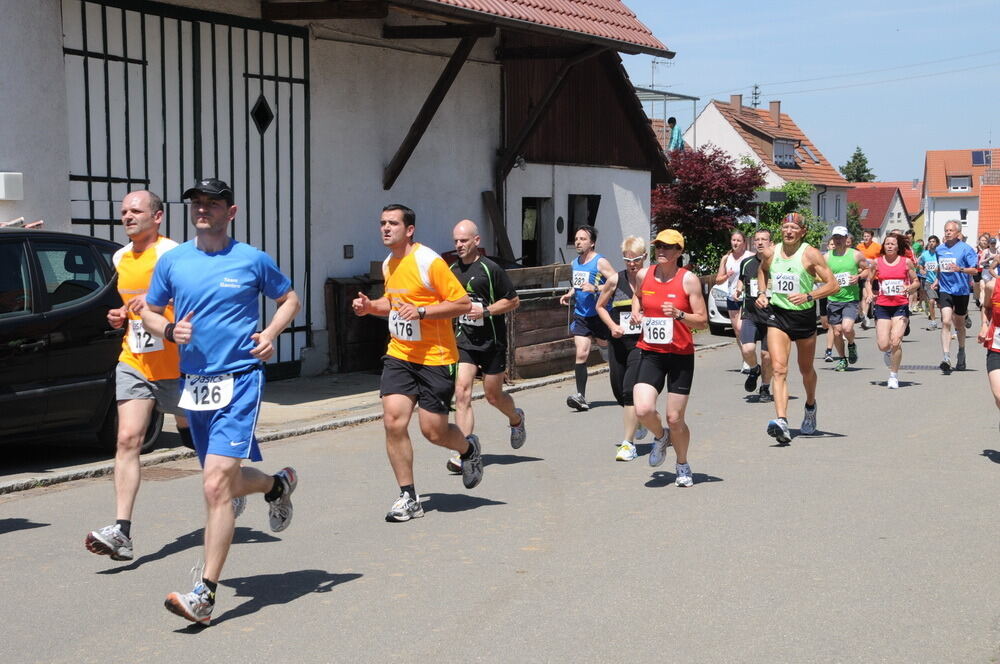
(212, 187)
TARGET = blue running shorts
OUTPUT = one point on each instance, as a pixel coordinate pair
(229, 431)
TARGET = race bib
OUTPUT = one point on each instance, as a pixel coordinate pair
(947, 263)
(206, 392)
(892, 287)
(626, 323)
(580, 278)
(658, 331)
(473, 322)
(140, 341)
(786, 283)
(931, 266)
(404, 330)
(996, 339)
(754, 291)
(843, 279)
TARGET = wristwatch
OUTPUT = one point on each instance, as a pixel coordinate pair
(421, 311)
(680, 315)
(809, 297)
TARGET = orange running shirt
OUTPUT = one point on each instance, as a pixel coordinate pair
(421, 278)
(156, 359)
(872, 251)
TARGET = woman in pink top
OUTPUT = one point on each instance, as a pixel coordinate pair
(897, 278)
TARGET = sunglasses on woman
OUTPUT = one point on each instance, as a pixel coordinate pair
(637, 259)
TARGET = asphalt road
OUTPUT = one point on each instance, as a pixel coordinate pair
(873, 541)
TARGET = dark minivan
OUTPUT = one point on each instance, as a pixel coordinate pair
(57, 352)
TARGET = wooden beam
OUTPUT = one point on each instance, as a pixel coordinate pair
(449, 31)
(427, 112)
(313, 11)
(499, 229)
(510, 154)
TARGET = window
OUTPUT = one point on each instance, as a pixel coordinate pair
(982, 158)
(959, 182)
(15, 282)
(810, 153)
(784, 154)
(963, 214)
(582, 212)
(71, 272)
(836, 209)
(822, 206)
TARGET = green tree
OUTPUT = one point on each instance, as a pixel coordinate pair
(856, 169)
(798, 198)
(854, 221)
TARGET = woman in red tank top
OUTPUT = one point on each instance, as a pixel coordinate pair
(989, 336)
(668, 305)
(897, 278)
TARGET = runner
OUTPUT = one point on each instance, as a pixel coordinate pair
(590, 270)
(928, 266)
(481, 335)
(669, 305)
(215, 284)
(916, 248)
(957, 262)
(897, 278)
(618, 292)
(147, 372)
(824, 320)
(872, 250)
(849, 266)
(421, 297)
(753, 324)
(791, 269)
(729, 274)
(989, 336)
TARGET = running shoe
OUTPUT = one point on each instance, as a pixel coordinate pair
(968, 322)
(750, 384)
(626, 452)
(945, 366)
(404, 509)
(454, 464)
(841, 364)
(809, 420)
(472, 468)
(892, 383)
(933, 325)
(577, 402)
(828, 355)
(887, 358)
(640, 432)
(906, 333)
(517, 433)
(684, 477)
(239, 504)
(864, 323)
(778, 429)
(960, 360)
(852, 353)
(280, 511)
(659, 451)
(765, 394)
(110, 541)
(195, 606)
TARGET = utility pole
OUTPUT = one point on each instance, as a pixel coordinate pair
(755, 100)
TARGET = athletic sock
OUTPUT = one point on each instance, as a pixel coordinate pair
(126, 527)
(581, 378)
(408, 489)
(275, 491)
(465, 456)
(892, 374)
(212, 587)
(812, 407)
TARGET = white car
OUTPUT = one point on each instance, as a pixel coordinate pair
(718, 314)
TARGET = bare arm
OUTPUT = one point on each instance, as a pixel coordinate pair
(698, 318)
(721, 275)
(153, 319)
(822, 272)
(503, 305)
(762, 274)
(607, 291)
(363, 306)
(637, 296)
(288, 308)
(440, 311)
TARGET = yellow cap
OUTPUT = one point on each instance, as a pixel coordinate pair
(670, 236)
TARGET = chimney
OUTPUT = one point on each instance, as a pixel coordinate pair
(775, 107)
(916, 181)
(736, 101)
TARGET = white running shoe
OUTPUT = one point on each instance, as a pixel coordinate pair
(892, 383)
(517, 433)
(808, 427)
(404, 509)
(195, 606)
(280, 511)
(626, 452)
(110, 541)
(684, 477)
(659, 451)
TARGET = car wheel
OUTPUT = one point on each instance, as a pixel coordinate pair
(107, 437)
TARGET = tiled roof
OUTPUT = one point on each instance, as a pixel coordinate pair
(759, 130)
(940, 164)
(607, 20)
(873, 203)
(989, 209)
(913, 195)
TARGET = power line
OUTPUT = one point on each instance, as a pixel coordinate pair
(887, 80)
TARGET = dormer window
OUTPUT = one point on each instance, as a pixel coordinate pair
(784, 154)
(959, 182)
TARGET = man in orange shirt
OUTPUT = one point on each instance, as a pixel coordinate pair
(148, 368)
(422, 295)
(871, 250)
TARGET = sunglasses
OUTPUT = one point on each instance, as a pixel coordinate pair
(665, 247)
(637, 259)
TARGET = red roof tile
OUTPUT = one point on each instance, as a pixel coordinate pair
(607, 20)
(759, 130)
(940, 164)
(989, 209)
(873, 203)
(913, 195)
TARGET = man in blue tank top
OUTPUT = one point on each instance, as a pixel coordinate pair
(590, 270)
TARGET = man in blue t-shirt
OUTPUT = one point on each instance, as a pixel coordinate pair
(215, 284)
(957, 261)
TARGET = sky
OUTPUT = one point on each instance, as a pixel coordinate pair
(848, 73)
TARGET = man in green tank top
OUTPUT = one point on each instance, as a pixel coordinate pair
(849, 266)
(790, 269)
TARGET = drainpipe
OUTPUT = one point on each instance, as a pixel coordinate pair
(818, 194)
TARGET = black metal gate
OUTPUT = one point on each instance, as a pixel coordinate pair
(159, 96)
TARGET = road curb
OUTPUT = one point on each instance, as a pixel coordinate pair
(166, 456)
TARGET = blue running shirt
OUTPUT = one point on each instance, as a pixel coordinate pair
(961, 254)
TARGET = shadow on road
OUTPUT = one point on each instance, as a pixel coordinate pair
(455, 502)
(242, 535)
(902, 383)
(992, 455)
(11, 525)
(506, 459)
(662, 478)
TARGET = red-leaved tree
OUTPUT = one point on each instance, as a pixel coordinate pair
(710, 190)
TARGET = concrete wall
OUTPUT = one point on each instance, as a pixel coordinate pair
(33, 134)
(624, 208)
